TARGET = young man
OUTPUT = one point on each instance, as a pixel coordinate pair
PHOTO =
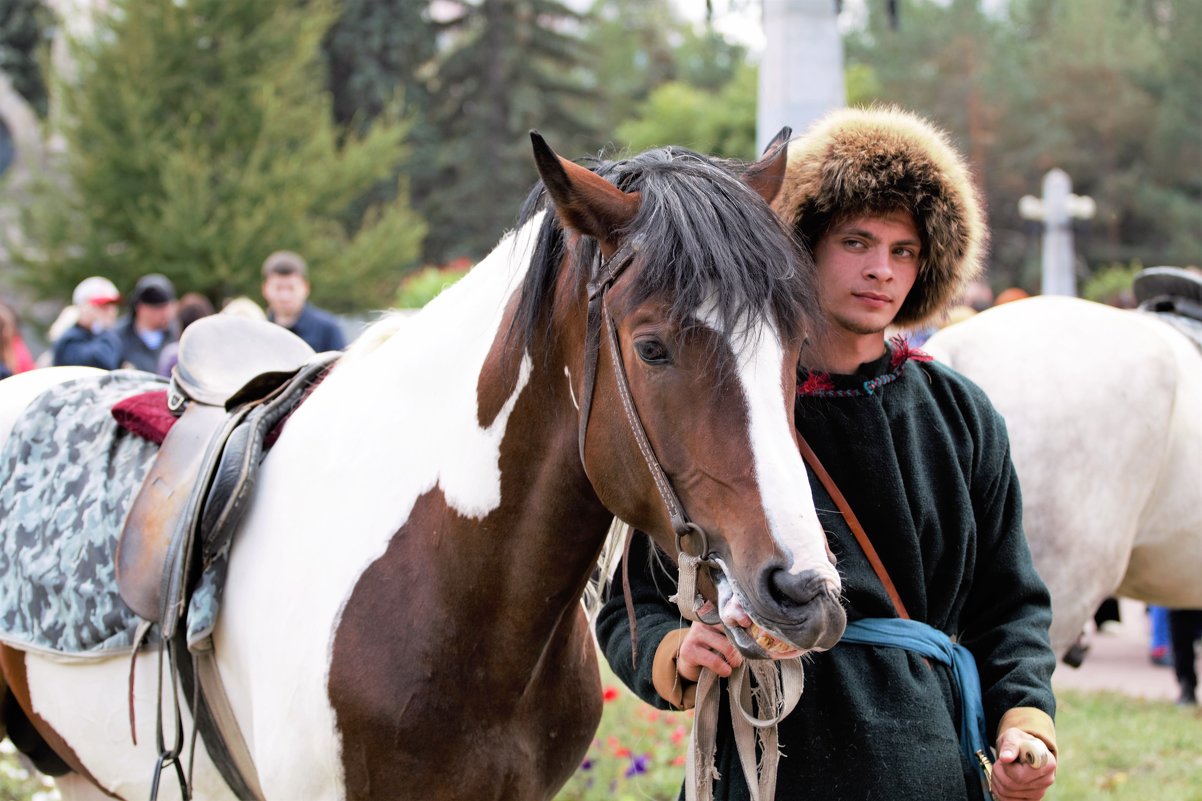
(150, 326)
(91, 341)
(889, 212)
(286, 290)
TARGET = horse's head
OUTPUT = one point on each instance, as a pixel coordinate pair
(685, 313)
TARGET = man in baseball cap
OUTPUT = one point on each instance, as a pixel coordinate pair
(149, 326)
(91, 342)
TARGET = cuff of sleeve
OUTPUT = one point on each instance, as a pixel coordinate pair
(1034, 722)
(676, 690)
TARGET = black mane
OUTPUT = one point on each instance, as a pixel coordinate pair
(700, 234)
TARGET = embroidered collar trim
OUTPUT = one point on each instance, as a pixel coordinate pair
(824, 385)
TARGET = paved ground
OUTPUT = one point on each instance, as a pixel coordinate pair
(1118, 660)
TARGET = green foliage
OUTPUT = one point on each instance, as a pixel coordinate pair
(26, 27)
(509, 66)
(638, 752)
(1112, 284)
(1110, 91)
(376, 54)
(20, 783)
(1125, 749)
(720, 122)
(196, 146)
(632, 48)
(424, 285)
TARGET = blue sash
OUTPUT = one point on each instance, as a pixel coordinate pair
(920, 638)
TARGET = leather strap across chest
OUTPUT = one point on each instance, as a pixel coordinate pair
(878, 567)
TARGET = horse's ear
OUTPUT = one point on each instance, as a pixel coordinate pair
(585, 201)
(767, 175)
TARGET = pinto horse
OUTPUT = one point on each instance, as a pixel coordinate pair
(1104, 412)
(402, 617)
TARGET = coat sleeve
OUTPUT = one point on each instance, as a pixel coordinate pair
(652, 582)
(76, 348)
(1008, 611)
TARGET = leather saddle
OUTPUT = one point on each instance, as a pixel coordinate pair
(1169, 290)
(235, 380)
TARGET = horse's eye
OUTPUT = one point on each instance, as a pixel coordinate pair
(652, 351)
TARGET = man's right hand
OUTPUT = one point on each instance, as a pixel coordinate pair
(706, 646)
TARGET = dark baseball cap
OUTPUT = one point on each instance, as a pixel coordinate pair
(153, 290)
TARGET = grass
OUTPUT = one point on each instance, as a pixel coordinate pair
(1112, 748)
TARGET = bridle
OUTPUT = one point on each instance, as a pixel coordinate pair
(781, 690)
(604, 273)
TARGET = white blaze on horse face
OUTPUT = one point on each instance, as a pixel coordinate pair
(780, 472)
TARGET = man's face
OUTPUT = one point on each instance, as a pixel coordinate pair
(866, 267)
(285, 294)
(97, 318)
(154, 318)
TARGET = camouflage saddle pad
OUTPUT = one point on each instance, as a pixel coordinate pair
(68, 474)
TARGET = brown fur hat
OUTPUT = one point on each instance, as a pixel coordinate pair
(880, 160)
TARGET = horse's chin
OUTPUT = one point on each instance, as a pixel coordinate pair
(753, 638)
(758, 643)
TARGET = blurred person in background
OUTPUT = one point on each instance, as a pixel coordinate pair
(14, 356)
(243, 306)
(286, 290)
(150, 325)
(91, 340)
(192, 307)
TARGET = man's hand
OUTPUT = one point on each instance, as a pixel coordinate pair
(706, 646)
(1014, 779)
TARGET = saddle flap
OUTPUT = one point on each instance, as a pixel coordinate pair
(160, 505)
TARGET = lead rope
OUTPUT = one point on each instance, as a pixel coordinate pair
(777, 689)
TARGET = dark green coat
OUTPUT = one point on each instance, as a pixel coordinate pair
(923, 459)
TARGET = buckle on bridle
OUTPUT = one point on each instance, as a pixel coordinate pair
(703, 554)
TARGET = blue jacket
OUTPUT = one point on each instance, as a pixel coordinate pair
(79, 346)
(318, 328)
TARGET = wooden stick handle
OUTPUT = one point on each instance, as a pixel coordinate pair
(1033, 752)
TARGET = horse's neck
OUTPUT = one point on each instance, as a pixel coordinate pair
(491, 431)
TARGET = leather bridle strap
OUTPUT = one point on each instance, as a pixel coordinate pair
(853, 523)
(599, 318)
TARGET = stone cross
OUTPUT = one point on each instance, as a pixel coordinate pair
(1056, 210)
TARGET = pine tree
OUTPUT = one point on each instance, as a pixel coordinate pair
(511, 65)
(26, 27)
(199, 141)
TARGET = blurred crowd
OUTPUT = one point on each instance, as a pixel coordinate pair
(140, 329)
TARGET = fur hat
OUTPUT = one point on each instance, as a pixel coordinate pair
(880, 160)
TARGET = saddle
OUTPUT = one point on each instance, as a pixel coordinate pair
(235, 380)
(1169, 290)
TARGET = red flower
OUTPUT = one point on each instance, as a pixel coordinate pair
(610, 694)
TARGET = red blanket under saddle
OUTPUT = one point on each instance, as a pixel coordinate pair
(145, 415)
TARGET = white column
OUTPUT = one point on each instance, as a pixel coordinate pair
(801, 71)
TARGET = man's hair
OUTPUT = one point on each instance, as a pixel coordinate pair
(877, 161)
(284, 262)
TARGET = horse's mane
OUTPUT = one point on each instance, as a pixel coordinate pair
(702, 236)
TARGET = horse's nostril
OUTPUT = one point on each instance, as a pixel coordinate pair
(791, 591)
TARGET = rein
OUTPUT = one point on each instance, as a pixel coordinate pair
(777, 691)
(604, 275)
